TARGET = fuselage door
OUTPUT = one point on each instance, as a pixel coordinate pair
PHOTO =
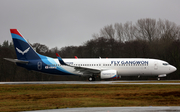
(155, 65)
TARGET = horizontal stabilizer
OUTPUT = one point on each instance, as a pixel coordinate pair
(16, 60)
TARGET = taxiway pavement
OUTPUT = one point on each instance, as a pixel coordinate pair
(115, 109)
(88, 82)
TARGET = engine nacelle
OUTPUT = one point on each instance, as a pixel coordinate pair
(109, 74)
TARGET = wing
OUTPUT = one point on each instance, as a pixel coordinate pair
(85, 70)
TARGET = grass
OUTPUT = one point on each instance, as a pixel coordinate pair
(38, 97)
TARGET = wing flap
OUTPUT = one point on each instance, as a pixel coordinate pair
(87, 69)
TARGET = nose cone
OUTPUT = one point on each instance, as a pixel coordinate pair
(172, 68)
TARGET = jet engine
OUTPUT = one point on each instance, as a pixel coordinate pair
(109, 74)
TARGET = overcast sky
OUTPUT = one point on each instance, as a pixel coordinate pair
(72, 22)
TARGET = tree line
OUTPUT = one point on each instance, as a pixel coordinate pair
(147, 38)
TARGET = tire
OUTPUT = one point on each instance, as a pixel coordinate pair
(91, 78)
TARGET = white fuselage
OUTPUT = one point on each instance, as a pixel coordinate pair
(123, 66)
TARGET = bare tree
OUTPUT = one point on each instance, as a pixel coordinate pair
(168, 30)
(146, 29)
(40, 48)
(128, 31)
(108, 32)
(119, 31)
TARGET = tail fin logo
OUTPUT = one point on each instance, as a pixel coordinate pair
(23, 52)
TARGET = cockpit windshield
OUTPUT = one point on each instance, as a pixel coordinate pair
(165, 64)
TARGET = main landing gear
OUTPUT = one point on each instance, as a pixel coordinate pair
(91, 78)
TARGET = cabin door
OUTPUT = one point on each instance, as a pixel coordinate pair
(155, 65)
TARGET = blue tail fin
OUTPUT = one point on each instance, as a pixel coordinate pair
(24, 51)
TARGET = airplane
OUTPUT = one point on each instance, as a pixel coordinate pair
(105, 68)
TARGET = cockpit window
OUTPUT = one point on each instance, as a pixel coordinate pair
(165, 64)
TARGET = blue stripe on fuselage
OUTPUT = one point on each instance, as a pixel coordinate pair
(50, 61)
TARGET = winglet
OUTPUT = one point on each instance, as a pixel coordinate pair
(76, 57)
(57, 55)
(60, 59)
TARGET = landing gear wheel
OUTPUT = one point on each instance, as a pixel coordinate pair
(91, 78)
